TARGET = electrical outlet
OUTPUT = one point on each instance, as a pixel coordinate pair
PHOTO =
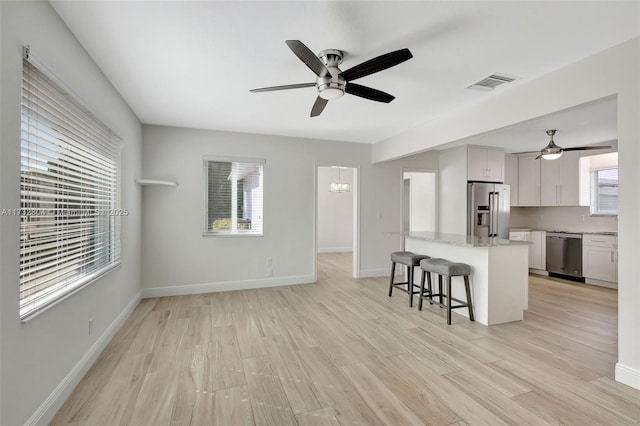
(90, 326)
(269, 271)
(269, 261)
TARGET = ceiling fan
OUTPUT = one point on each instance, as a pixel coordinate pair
(553, 151)
(332, 82)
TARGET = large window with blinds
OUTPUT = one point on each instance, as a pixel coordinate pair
(70, 194)
(233, 196)
(604, 192)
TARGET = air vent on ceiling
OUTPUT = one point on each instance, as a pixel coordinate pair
(492, 81)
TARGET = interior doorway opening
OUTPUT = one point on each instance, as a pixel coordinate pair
(419, 200)
(337, 218)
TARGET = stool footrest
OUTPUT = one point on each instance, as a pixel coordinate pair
(463, 303)
(416, 287)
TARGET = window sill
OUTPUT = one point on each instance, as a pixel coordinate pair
(63, 294)
(232, 234)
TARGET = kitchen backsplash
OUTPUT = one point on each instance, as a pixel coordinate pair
(562, 218)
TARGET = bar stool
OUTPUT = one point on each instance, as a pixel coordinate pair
(448, 269)
(410, 260)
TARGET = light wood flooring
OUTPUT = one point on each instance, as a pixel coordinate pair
(340, 352)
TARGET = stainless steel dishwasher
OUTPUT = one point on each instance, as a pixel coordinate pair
(564, 254)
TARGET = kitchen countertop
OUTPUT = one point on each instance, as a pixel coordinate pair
(613, 233)
(463, 240)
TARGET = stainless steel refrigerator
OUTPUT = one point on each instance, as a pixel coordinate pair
(488, 210)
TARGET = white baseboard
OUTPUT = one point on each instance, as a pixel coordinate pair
(335, 249)
(371, 273)
(181, 290)
(48, 409)
(538, 272)
(601, 283)
(627, 375)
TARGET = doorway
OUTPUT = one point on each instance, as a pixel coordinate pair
(419, 200)
(336, 231)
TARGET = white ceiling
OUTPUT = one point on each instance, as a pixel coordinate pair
(191, 64)
(588, 124)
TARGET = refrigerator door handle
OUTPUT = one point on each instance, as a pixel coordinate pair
(492, 208)
(496, 206)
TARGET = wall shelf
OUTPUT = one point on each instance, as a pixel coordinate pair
(155, 182)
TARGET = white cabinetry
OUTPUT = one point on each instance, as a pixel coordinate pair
(600, 259)
(559, 180)
(519, 235)
(528, 181)
(538, 250)
(511, 177)
(485, 164)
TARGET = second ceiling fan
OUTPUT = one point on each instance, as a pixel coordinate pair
(331, 82)
(553, 151)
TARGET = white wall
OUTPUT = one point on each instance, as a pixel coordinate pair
(562, 218)
(177, 259)
(453, 190)
(54, 348)
(335, 211)
(614, 71)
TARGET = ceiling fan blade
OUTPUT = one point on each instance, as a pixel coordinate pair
(586, 148)
(538, 157)
(376, 64)
(368, 93)
(318, 106)
(526, 152)
(286, 87)
(308, 57)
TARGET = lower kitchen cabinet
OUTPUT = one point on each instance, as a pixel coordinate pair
(538, 250)
(600, 258)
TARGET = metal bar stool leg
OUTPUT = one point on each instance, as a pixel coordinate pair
(410, 286)
(393, 271)
(429, 286)
(440, 289)
(422, 290)
(449, 300)
(468, 290)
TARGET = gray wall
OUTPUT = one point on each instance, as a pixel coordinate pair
(176, 255)
(48, 351)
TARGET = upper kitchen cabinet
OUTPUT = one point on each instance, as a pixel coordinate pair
(485, 164)
(559, 180)
(528, 181)
(511, 177)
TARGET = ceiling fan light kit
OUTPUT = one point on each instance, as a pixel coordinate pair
(551, 151)
(331, 82)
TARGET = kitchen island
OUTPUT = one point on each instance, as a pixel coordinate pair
(499, 272)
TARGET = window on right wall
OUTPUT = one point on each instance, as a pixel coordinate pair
(604, 192)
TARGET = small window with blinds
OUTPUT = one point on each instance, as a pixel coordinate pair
(69, 195)
(604, 192)
(233, 196)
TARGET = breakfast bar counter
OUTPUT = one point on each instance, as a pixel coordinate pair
(499, 271)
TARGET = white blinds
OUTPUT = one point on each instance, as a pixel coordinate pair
(604, 191)
(70, 189)
(234, 191)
